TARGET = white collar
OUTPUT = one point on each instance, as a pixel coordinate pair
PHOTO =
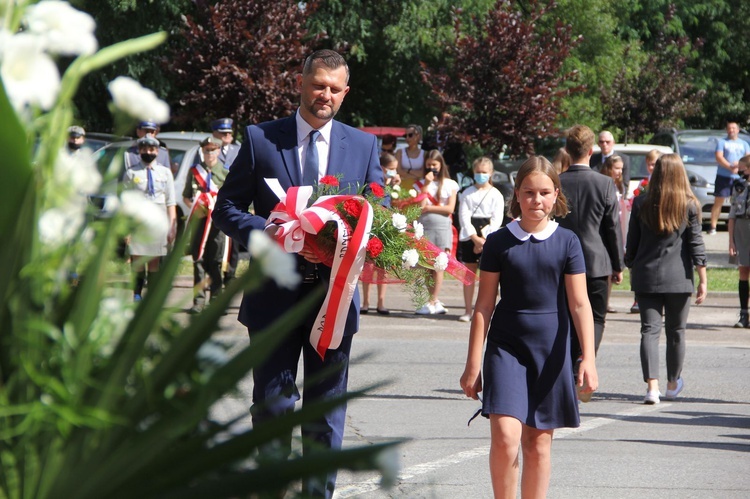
(515, 228)
(304, 128)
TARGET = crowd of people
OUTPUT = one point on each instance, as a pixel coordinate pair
(544, 278)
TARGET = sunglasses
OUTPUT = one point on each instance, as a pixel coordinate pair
(410, 135)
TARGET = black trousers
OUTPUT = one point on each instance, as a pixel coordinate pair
(598, 291)
(209, 264)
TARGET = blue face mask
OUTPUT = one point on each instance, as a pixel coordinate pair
(390, 173)
(481, 178)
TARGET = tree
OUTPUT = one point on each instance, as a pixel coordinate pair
(241, 61)
(505, 85)
(660, 94)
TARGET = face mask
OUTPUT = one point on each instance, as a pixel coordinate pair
(390, 173)
(147, 158)
(433, 171)
(481, 178)
(73, 146)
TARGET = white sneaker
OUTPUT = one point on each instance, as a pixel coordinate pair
(439, 308)
(652, 397)
(426, 309)
(672, 394)
(465, 318)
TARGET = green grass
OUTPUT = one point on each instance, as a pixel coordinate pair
(718, 279)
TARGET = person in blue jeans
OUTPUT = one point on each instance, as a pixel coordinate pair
(728, 153)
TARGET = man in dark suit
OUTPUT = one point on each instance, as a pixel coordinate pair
(594, 217)
(284, 149)
(607, 144)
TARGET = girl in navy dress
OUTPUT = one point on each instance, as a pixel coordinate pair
(528, 387)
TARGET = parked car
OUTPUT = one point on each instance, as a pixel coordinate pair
(697, 148)
(183, 150)
(637, 154)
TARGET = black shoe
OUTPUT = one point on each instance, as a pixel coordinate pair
(195, 309)
(743, 320)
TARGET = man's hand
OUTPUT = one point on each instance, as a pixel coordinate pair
(617, 277)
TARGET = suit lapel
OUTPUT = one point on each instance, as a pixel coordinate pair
(337, 150)
(288, 149)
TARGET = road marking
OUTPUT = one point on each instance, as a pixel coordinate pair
(354, 490)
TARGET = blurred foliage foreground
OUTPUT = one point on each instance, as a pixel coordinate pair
(99, 396)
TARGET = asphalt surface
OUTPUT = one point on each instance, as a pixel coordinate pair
(697, 446)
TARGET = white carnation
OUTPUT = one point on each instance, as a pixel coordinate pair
(394, 195)
(63, 29)
(30, 76)
(151, 218)
(413, 193)
(399, 221)
(410, 258)
(60, 225)
(441, 262)
(139, 102)
(78, 172)
(396, 188)
(418, 230)
(275, 262)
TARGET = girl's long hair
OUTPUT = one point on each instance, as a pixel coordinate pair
(668, 197)
(434, 155)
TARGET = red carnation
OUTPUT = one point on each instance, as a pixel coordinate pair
(374, 247)
(377, 190)
(353, 207)
(329, 180)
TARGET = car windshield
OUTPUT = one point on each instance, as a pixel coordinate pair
(696, 148)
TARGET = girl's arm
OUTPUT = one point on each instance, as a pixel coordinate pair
(583, 319)
(730, 230)
(471, 379)
(443, 209)
(702, 290)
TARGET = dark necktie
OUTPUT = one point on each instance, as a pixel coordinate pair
(310, 174)
(150, 184)
(208, 181)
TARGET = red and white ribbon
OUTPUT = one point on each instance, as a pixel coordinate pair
(296, 221)
(206, 198)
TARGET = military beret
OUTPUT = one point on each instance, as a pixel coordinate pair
(147, 142)
(76, 131)
(222, 125)
(211, 141)
(148, 125)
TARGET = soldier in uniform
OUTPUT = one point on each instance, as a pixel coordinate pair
(208, 242)
(148, 129)
(76, 138)
(222, 130)
(739, 234)
(155, 181)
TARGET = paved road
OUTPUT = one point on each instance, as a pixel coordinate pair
(695, 447)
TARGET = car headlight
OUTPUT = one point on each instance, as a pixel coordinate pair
(697, 180)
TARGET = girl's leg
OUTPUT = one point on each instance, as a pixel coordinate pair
(744, 293)
(437, 283)
(365, 296)
(536, 446)
(469, 291)
(676, 311)
(139, 270)
(506, 436)
(381, 296)
(652, 306)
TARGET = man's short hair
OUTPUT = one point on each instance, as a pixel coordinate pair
(578, 141)
(329, 58)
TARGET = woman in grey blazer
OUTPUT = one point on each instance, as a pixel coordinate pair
(664, 244)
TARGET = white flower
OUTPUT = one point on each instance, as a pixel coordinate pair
(418, 230)
(410, 258)
(412, 193)
(63, 29)
(394, 194)
(396, 187)
(139, 102)
(388, 462)
(151, 218)
(399, 221)
(441, 262)
(29, 75)
(78, 172)
(60, 225)
(275, 262)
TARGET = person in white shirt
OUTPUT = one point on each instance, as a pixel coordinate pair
(440, 192)
(480, 213)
